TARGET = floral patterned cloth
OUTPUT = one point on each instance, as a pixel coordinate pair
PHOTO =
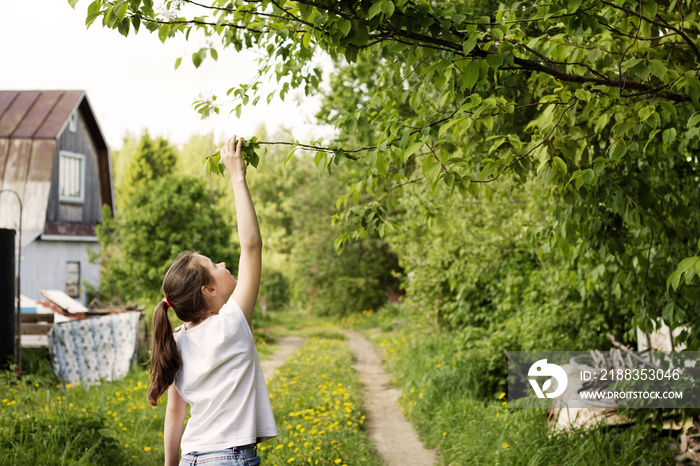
(95, 348)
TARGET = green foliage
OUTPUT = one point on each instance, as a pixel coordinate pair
(63, 436)
(294, 206)
(599, 99)
(448, 397)
(274, 286)
(161, 219)
(212, 163)
(340, 285)
(151, 159)
(492, 277)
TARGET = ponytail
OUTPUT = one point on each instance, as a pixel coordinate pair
(165, 359)
(183, 287)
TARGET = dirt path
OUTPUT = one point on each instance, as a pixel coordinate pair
(286, 346)
(389, 431)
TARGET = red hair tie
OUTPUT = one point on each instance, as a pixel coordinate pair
(165, 300)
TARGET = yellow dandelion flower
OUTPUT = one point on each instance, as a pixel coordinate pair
(146, 448)
(500, 397)
(505, 444)
(338, 461)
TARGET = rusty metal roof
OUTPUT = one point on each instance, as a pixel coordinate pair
(30, 124)
(36, 114)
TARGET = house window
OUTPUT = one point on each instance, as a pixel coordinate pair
(73, 279)
(71, 173)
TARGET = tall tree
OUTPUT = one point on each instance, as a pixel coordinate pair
(163, 218)
(152, 159)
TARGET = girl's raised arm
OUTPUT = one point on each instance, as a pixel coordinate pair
(250, 265)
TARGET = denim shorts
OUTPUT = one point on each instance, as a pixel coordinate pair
(235, 456)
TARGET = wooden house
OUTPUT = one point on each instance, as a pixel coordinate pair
(55, 157)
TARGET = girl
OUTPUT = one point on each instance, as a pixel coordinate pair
(211, 362)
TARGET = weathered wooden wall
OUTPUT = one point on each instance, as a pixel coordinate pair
(90, 211)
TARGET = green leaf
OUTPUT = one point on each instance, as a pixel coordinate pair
(469, 45)
(559, 165)
(447, 126)
(432, 171)
(178, 61)
(657, 68)
(163, 32)
(686, 264)
(631, 63)
(674, 279)
(345, 26)
(72, 3)
(669, 135)
(388, 8)
(91, 19)
(318, 158)
(196, 59)
(494, 60)
(497, 34)
(361, 36)
(411, 150)
(136, 22)
(588, 176)
(449, 179)
(470, 74)
(693, 120)
(583, 94)
(120, 10)
(214, 53)
(381, 163)
(375, 9)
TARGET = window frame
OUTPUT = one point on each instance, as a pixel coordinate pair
(71, 199)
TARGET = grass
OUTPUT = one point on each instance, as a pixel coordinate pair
(316, 398)
(46, 423)
(439, 398)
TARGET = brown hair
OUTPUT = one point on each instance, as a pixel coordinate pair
(182, 287)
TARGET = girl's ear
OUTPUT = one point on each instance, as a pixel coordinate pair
(208, 290)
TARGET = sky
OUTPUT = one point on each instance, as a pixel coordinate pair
(130, 81)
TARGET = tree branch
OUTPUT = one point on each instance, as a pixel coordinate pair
(546, 138)
(656, 23)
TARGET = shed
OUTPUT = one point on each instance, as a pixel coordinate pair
(55, 157)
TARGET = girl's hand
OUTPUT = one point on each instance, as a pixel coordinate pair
(231, 156)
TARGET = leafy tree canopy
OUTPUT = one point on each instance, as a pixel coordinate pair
(152, 159)
(600, 99)
(163, 218)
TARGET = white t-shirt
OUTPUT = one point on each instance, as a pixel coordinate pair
(221, 379)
